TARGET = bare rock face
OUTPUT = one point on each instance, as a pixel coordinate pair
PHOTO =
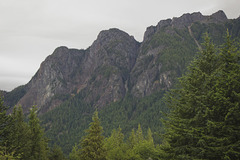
(186, 20)
(110, 60)
(149, 74)
(116, 64)
(101, 71)
(219, 16)
(56, 75)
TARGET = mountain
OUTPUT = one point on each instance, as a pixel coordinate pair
(123, 78)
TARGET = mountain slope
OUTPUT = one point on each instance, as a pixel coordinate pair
(125, 79)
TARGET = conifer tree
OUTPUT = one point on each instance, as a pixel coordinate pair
(75, 153)
(115, 146)
(56, 153)
(132, 140)
(6, 148)
(38, 143)
(19, 138)
(5, 123)
(92, 145)
(139, 134)
(223, 129)
(203, 120)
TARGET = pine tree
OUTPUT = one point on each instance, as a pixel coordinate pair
(201, 108)
(92, 145)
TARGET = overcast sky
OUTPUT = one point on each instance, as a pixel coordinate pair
(30, 30)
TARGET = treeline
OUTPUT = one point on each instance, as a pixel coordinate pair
(20, 139)
(23, 138)
(205, 107)
(203, 121)
(115, 147)
(65, 124)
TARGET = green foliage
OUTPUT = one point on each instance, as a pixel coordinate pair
(38, 144)
(115, 146)
(64, 126)
(56, 153)
(204, 118)
(19, 137)
(11, 98)
(4, 155)
(74, 154)
(92, 145)
(106, 71)
(4, 122)
(136, 146)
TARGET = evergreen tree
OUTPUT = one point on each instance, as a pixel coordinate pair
(56, 153)
(19, 138)
(201, 108)
(223, 129)
(38, 143)
(92, 145)
(140, 148)
(75, 153)
(139, 134)
(5, 123)
(4, 155)
(115, 146)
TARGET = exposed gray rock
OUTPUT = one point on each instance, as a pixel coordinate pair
(102, 70)
(219, 16)
(113, 65)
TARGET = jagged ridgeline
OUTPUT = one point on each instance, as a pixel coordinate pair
(123, 78)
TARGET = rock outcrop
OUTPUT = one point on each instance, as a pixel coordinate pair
(102, 71)
(116, 64)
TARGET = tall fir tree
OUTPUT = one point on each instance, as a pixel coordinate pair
(19, 138)
(207, 95)
(56, 153)
(5, 123)
(6, 151)
(115, 146)
(38, 143)
(92, 145)
(223, 129)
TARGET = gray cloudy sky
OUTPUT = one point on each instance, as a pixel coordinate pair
(30, 30)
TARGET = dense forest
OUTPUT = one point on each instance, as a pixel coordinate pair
(200, 121)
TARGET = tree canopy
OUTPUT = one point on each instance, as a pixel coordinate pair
(205, 108)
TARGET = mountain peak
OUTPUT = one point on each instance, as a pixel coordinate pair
(186, 20)
(219, 16)
(112, 34)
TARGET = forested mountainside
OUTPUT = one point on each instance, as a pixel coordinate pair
(123, 78)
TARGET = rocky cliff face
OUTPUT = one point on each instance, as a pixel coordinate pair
(116, 64)
(101, 71)
(57, 75)
(163, 55)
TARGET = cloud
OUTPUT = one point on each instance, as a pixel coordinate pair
(31, 30)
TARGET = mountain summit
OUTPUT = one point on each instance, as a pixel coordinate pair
(123, 78)
(116, 64)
